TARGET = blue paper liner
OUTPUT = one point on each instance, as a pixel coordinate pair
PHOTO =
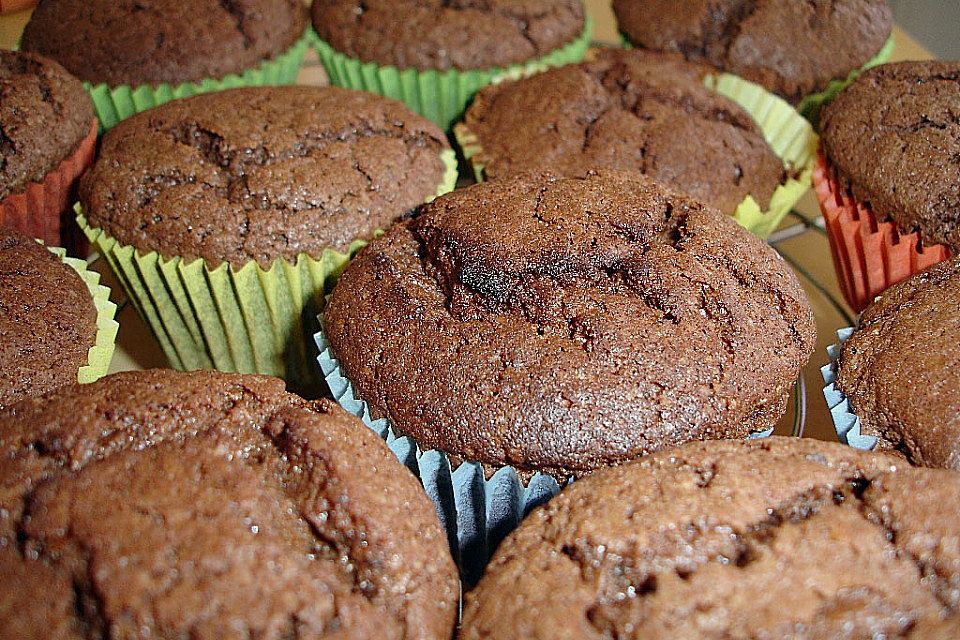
(476, 513)
(845, 421)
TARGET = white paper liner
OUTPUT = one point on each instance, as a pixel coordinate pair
(476, 513)
(845, 420)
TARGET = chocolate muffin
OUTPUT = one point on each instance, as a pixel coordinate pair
(772, 538)
(258, 174)
(424, 34)
(906, 167)
(791, 48)
(162, 41)
(898, 368)
(48, 320)
(209, 505)
(627, 110)
(44, 115)
(564, 324)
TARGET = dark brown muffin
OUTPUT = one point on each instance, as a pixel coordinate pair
(792, 48)
(44, 114)
(772, 538)
(462, 34)
(155, 41)
(210, 505)
(893, 137)
(262, 173)
(627, 110)
(563, 324)
(899, 368)
(47, 319)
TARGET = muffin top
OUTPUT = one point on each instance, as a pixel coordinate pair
(44, 114)
(155, 41)
(562, 324)
(772, 538)
(440, 34)
(893, 137)
(262, 173)
(47, 319)
(627, 110)
(898, 368)
(792, 48)
(212, 505)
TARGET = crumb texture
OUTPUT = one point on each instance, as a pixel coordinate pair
(773, 538)
(563, 324)
(47, 319)
(792, 47)
(156, 41)
(898, 368)
(448, 34)
(893, 137)
(44, 114)
(631, 110)
(207, 505)
(262, 173)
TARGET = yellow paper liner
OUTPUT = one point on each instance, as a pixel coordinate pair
(248, 320)
(39, 210)
(868, 255)
(789, 135)
(101, 353)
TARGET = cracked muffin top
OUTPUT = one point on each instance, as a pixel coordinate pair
(44, 115)
(48, 319)
(262, 173)
(898, 369)
(792, 48)
(209, 505)
(563, 324)
(772, 538)
(627, 110)
(155, 41)
(447, 34)
(893, 136)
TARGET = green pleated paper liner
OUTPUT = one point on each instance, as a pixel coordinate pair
(440, 96)
(811, 106)
(248, 320)
(114, 104)
(101, 353)
(789, 135)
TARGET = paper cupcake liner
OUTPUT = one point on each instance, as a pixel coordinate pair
(477, 513)
(101, 353)
(789, 135)
(868, 255)
(440, 96)
(811, 106)
(248, 320)
(114, 104)
(39, 210)
(845, 421)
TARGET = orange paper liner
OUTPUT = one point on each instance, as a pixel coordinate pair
(869, 256)
(45, 208)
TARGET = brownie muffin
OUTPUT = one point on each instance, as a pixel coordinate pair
(627, 110)
(258, 174)
(162, 41)
(48, 320)
(425, 34)
(898, 369)
(563, 324)
(772, 538)
(211, 505)
(791, 48)
(44, 115)
(906, 167)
